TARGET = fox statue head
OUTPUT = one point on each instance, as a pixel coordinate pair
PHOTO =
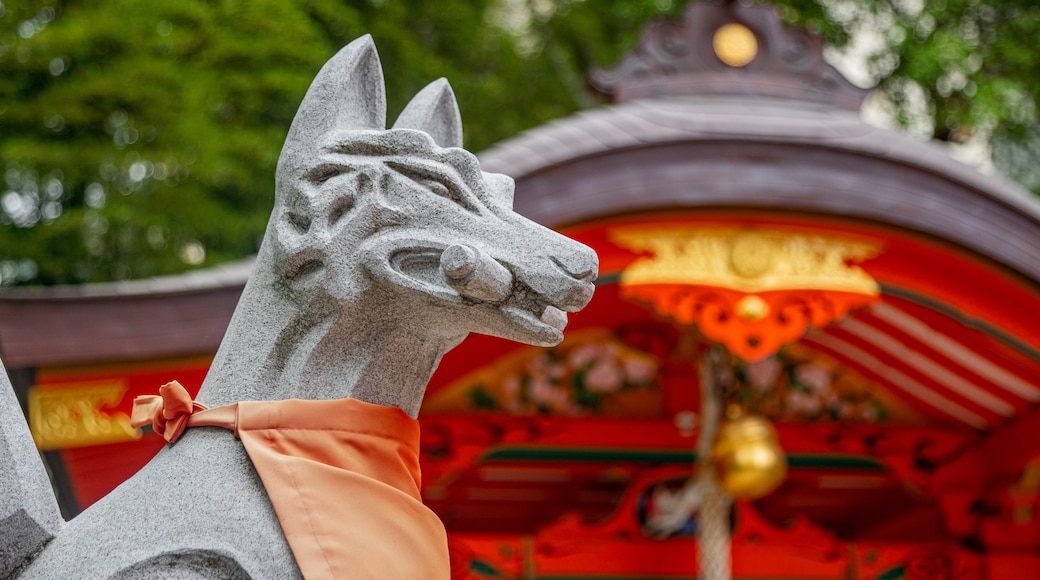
(386, 247)
(406, 217)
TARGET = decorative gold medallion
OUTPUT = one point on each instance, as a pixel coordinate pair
(753, 290)
(735, 44)
(750, 255)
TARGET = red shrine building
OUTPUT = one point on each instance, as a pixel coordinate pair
(877, 302)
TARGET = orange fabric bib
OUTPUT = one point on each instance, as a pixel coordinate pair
(343, 477)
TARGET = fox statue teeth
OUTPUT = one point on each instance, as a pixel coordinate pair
(554, 317)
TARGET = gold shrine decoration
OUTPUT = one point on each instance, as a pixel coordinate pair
(75, 416)
(735, 44)
(746, 260)
(753, 290)
(747, 457)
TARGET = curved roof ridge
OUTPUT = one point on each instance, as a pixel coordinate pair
(670, 120)
(227, 275)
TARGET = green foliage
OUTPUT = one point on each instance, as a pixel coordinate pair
(140, 138)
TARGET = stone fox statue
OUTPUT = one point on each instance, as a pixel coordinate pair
(384, 250)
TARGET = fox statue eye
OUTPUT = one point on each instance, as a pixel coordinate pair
(438, 186)
(324, 172)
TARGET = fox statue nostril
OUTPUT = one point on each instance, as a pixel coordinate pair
(587, 275)
(475, 274)
(583, 266)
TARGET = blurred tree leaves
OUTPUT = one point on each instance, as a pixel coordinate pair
(139, 138)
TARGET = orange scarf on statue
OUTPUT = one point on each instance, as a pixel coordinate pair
(343, 476)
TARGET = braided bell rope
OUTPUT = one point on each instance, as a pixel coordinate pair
(713, 534)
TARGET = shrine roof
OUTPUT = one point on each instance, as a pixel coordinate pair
(753, 120)
(120, 321)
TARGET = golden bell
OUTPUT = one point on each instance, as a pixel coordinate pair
(747, 457)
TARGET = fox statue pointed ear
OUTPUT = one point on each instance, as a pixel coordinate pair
(434, 111)
(346, 95)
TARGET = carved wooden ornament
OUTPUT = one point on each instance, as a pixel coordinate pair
(79, 415)
(751, 290)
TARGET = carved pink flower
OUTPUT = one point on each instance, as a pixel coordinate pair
(605, 377)
(800, 403)
(585, 354)
(540, 390)
(548, 366)
(512, 386)
(763, 374)
(815, 377)
(639, 371)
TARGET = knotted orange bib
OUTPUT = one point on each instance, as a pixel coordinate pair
(343, 477)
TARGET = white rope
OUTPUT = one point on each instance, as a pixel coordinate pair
(713, 549)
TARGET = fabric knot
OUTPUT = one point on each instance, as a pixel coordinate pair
(168, 412)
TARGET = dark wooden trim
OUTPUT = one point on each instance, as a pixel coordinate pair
(47, 330)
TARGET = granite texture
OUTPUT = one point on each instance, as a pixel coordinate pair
(29, 515)
(199, 500)
(352, 295)
(21, 537)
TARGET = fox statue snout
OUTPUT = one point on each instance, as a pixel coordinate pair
(476, 275)
(540, 293)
